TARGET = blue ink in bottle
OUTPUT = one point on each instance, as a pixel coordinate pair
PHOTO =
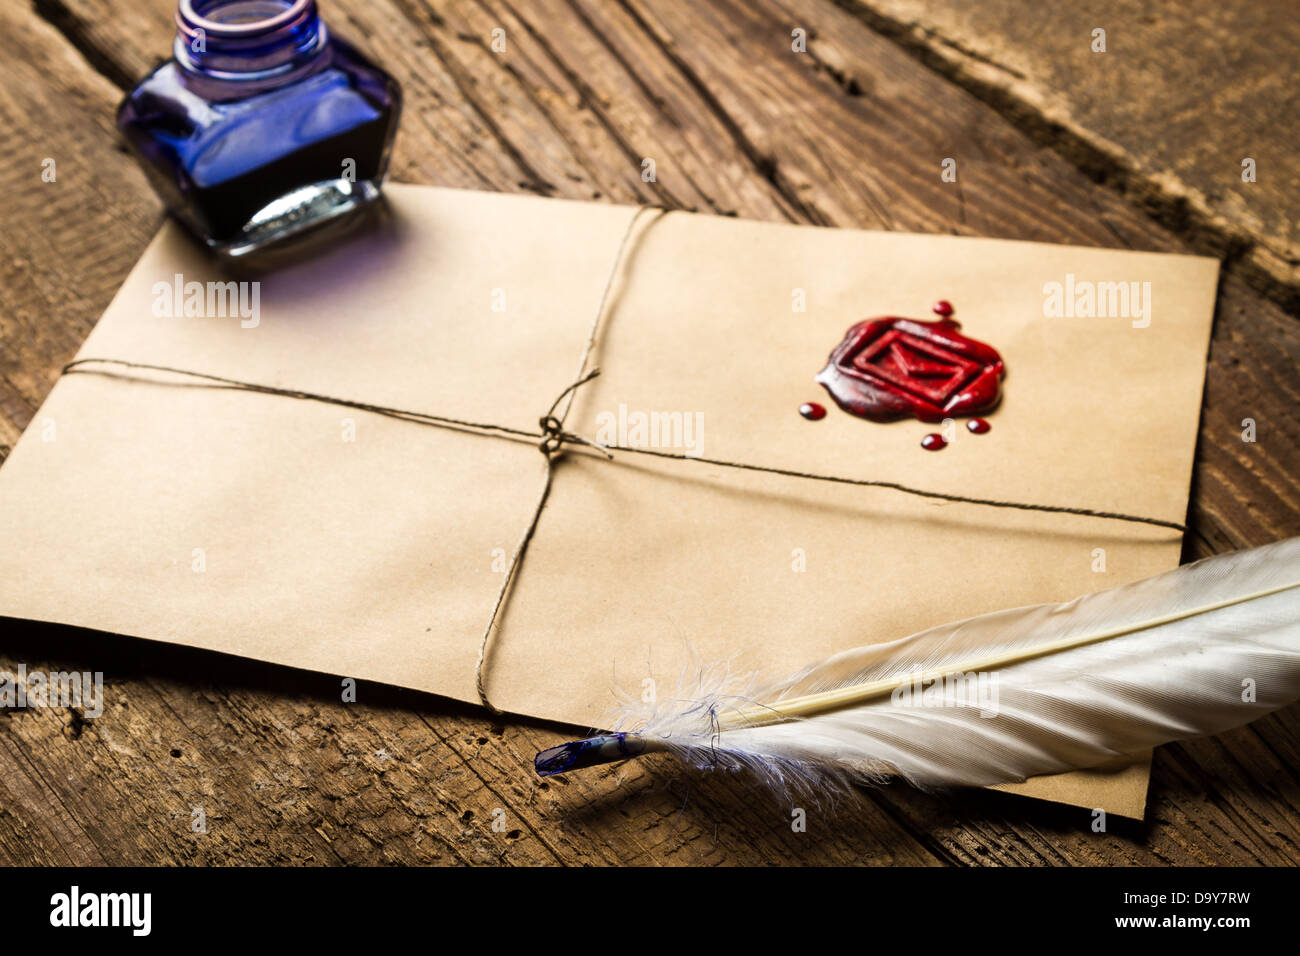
(262, 125)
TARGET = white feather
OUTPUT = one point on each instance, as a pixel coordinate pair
(1195, 651)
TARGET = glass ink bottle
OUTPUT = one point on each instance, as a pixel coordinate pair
(262, 125)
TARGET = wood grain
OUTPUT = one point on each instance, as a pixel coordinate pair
(850, 133)
(1181, 94)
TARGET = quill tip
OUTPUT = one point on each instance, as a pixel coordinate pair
(604, 748)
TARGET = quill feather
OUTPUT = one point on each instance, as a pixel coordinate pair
(1195, 651)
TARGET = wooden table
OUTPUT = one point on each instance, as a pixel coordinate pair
(850, 132)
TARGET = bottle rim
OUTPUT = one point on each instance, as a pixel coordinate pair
(189, 21)
(280, 45)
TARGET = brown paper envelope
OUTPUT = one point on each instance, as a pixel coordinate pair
(341, 541)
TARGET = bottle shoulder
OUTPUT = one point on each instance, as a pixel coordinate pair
(339, 71)
(215, 127)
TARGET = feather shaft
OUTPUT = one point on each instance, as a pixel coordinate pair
(812, 704)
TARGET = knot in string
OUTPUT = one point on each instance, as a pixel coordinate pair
(554, 437)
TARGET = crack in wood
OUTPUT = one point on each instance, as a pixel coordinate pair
(1178, 211)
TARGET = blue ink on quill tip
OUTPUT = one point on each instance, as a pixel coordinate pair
(577, 754)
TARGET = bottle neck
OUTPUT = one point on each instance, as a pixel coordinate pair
(247, 39)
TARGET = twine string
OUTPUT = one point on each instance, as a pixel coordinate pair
(552, 439)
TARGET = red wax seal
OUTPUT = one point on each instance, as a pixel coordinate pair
(893, 367)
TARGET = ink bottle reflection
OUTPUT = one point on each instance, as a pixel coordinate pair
(262, 125)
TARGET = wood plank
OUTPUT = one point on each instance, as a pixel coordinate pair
(1181, 95)
(851, 133)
